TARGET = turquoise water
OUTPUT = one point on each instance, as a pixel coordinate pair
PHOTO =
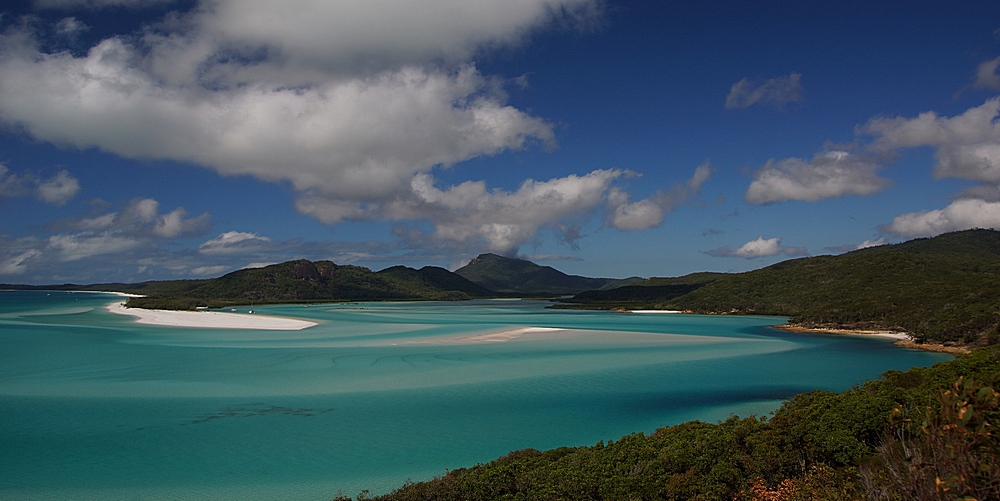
(96, 407)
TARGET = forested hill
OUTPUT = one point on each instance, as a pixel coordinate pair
(917, 435)
(941, 289)
(519, 276)
(305, 281)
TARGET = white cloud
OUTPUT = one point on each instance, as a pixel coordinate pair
(320, 109)
(67, 247)
(258, 265)
(11, 185)
(967, 146)
(202, 271)
(141, 217)
(17, 265)
(758, 248)
(349, 33)
(986, 75)
(959, 215)
(776, 91)
(863, 245)
(649, 212)
(353, 103)
(871, 243)
(828, 175)
(59, 189)
(469, 214)
(234, 242)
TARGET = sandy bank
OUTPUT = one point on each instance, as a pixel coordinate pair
(903, 339)
(500, 336)
(507, 335)
(209, 319)
(853, 332)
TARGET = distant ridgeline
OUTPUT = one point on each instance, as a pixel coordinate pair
(941, 289)
(307, 281)
(522, 277)
(945, 288)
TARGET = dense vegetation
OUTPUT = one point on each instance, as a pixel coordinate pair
(648, 294)
(522, 277)
(306, 281)
(922, 434)
(941, 289)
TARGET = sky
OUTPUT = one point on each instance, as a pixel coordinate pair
(173, 139)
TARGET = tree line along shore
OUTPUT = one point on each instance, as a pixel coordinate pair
(923, 434)
(942, 291)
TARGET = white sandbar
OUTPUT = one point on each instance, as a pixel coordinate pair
(210, 319)
(507, 335)
(658, 311)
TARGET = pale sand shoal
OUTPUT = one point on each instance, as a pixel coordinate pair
(657, 311)
(209, 319)
(507, 335)
(501, 336)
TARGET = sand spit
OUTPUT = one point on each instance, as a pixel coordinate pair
(209, 319)
(903, 340)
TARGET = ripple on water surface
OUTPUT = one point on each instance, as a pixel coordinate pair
(98, 407)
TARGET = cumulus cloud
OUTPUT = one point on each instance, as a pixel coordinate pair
(141, 217)
(758, 248)
(353, 103)
(69, 247)
(470, 214)
(58, 189)
(986, 75)
(203, 271)
(828, 175)
(863, 245)
(649, 212)
(345, 100)
(139, 227)
(775, 91)
(959, 215)
(871, 243)
(17, 265)
(966, 146)
(235, 242)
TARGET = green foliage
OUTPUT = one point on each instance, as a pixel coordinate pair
(646, 294)
(306, 281)
(942, 289)
(810, 449)
(524, 278)
(954, 455)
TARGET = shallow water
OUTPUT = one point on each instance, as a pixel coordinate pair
(96, 407)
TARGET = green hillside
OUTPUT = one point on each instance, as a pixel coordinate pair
(918, 435)
(519, 276)
(941, 289)
(307, 281)
(647, 294)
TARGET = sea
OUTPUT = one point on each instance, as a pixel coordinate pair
(96, 407)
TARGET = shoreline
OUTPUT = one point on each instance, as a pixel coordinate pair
(209, 319)
(902, 339)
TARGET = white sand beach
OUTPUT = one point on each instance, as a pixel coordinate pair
(657, 311)
(209, 319)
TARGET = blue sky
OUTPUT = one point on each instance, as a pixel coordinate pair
(159, 139)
